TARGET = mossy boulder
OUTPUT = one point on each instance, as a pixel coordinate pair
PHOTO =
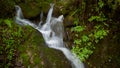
(32, 8)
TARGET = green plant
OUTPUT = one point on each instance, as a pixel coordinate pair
(82, 53)
(97, 18)
(78, 28)
(99, 33)
(8, 40)
(85, 45)
(100, 3)
(11, 38)
(85, 42)
(83, 48)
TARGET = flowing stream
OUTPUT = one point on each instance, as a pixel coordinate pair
(52, 32)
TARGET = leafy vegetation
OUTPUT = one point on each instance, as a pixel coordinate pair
(13, 39)
(85, 41)
(85, 44)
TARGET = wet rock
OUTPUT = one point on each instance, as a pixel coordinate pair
(69, 21)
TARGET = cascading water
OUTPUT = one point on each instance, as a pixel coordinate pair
(52, 32)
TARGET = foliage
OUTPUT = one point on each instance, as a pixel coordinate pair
(96, 18)
(85, 41)
(82, 53)
(99, 33)
(86, 44)
(12, 40)
(78, 28)
(100, 3)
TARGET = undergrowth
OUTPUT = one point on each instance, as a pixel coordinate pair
(16, 42)
(86, 38)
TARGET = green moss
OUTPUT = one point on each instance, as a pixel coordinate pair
(30, 10)
(25, 58)
(11, 35)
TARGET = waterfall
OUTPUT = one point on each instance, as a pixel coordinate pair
(52, 32)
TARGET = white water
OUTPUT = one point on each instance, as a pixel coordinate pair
(52, 32)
